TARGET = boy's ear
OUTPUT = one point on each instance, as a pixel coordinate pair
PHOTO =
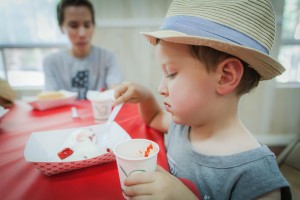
(229, 73)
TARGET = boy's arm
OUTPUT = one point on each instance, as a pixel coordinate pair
(149, 108)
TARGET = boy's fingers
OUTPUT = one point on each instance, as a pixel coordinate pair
(119, 90)
(139, 178)
(160, 169)
(120, 94)
(143, 177)
(117, 101)
(122, 99)
(137, 190)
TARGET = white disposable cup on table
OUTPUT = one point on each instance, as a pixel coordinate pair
(101, 105)
(135, 156)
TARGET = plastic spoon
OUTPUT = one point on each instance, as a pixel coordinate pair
(114, 113)
(107, 128)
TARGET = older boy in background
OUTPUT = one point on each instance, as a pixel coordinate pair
(84, 66)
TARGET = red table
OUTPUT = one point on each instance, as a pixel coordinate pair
(21, 180)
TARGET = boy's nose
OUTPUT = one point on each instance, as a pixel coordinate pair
(162, 89)
(82, 31)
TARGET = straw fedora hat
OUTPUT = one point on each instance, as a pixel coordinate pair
(243, 28)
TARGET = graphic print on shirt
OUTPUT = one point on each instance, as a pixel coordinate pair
(81, 82)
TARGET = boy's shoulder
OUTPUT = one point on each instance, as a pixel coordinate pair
(256, 168)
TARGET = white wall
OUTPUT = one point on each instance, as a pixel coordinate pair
(267, 111)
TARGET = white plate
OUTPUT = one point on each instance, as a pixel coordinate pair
(68, 99)
(41, 148)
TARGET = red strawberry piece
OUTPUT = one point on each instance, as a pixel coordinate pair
(66, 152)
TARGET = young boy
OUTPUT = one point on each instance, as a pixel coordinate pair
(211, 53)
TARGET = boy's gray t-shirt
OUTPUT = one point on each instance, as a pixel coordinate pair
(99, 69)
(245, 175)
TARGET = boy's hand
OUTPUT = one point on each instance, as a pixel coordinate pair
(156, 185)
(150, 111)
(130, 92)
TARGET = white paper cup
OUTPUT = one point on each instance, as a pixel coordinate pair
(130, 157)
(101, 105)
(101, 110)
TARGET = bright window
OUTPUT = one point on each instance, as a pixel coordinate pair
(29, 22)
(29, 31)
(289, 53)
(25, 65)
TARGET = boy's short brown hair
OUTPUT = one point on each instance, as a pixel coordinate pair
(66, 3)
(211, 57)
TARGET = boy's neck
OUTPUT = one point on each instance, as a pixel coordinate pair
(225, 138)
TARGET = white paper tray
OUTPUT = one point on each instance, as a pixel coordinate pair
(69, 98)
(41, 148)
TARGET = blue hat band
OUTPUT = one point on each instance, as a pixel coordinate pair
(195, 26)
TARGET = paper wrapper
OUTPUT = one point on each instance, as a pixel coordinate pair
(42, 147)
(68, 99)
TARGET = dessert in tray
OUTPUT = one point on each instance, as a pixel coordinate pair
(80, 145)
(63, 150)
(50, 95)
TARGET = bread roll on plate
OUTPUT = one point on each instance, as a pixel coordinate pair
(50, 95)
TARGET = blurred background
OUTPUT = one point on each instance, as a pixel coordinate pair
(29, 32)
